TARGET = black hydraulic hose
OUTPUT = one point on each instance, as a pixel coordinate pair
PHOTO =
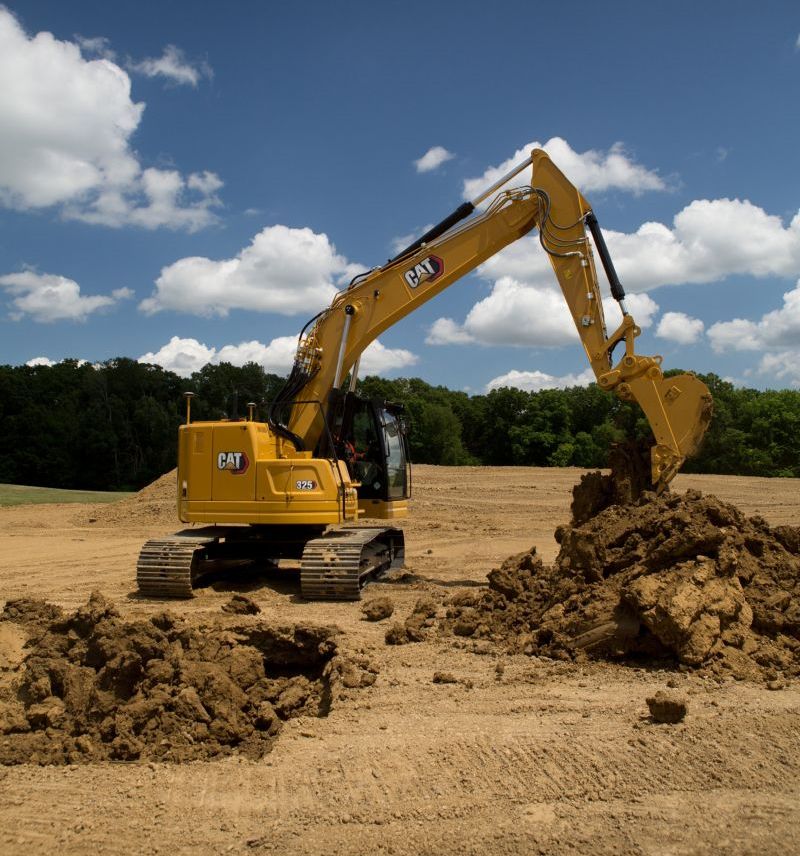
(605, 257)
(461, 213)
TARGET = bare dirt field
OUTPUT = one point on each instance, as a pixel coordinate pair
(512, 754)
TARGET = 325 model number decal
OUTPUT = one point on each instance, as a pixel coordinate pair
(305, 484)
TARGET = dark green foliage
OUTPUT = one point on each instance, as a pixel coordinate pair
(114, 426)
(111, 426)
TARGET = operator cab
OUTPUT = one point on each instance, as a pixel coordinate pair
(371, 439)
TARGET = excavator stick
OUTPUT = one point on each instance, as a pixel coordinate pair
(679, 411)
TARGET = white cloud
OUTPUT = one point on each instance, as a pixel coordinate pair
(737, 335)
(797, 43)
(589, 171)
(40, 361)
(537, 380)
(516, 314)
(709, 240)
(96, 46)
(776, 330)
(184, 356)
(276, 357)
(380, 360)
(446, 331)
(173, 66)
(433, 159)
(67, 124)
(681, 328)
(777, 333)
(283, 270)
(783, 365)
(528, 316)
(47, 297)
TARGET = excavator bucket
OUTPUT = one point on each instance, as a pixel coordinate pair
(679, 411)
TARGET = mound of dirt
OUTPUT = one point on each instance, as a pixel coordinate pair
(155, 503)
(94, 687)
(681, 576)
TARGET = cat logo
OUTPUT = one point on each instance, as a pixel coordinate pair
(427, 270)
(234, 462)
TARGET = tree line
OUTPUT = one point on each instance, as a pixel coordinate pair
(113, 426)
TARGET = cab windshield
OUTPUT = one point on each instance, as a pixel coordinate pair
(396, 469)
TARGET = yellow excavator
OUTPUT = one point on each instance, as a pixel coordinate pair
(296, 487)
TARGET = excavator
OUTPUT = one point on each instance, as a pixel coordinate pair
(297, 488)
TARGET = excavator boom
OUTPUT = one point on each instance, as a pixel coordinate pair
(678, 408)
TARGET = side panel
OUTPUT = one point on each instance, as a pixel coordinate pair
(194, 462)
(233, 466)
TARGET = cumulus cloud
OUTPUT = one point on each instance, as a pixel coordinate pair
(174, 67)
(522, 315)
(184, 356)
(777, 333)
(537, 380)
(433, 159)
(783, 365)
(47, 297)
(283, 270)
(446, 331)
(776, 330)
(708, 241)
(67, 123)
(589, 171)
(40, 361)
(378, 359)
(679, 327)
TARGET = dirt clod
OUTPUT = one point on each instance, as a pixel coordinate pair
(239, 604)
(94, 687)
(416, 626)
(377, 609)
(444, 678)
(667, 707)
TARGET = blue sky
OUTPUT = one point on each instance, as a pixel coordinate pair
(186, 182)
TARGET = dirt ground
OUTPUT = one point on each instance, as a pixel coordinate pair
(521, 754)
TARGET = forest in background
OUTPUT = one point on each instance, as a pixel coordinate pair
(113, 426)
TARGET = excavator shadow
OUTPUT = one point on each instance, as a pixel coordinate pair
(241, 577)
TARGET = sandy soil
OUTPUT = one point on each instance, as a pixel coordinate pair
(535, 756)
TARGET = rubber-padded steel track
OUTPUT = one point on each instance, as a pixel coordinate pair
(166, 566)
(337, 565)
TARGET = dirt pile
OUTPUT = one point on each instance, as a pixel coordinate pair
(682, 576)
(94, 687)
(155, 503)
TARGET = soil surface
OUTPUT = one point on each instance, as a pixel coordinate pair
(448, 743)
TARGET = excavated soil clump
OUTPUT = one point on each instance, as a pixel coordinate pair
(94, 687)
(687, 577)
